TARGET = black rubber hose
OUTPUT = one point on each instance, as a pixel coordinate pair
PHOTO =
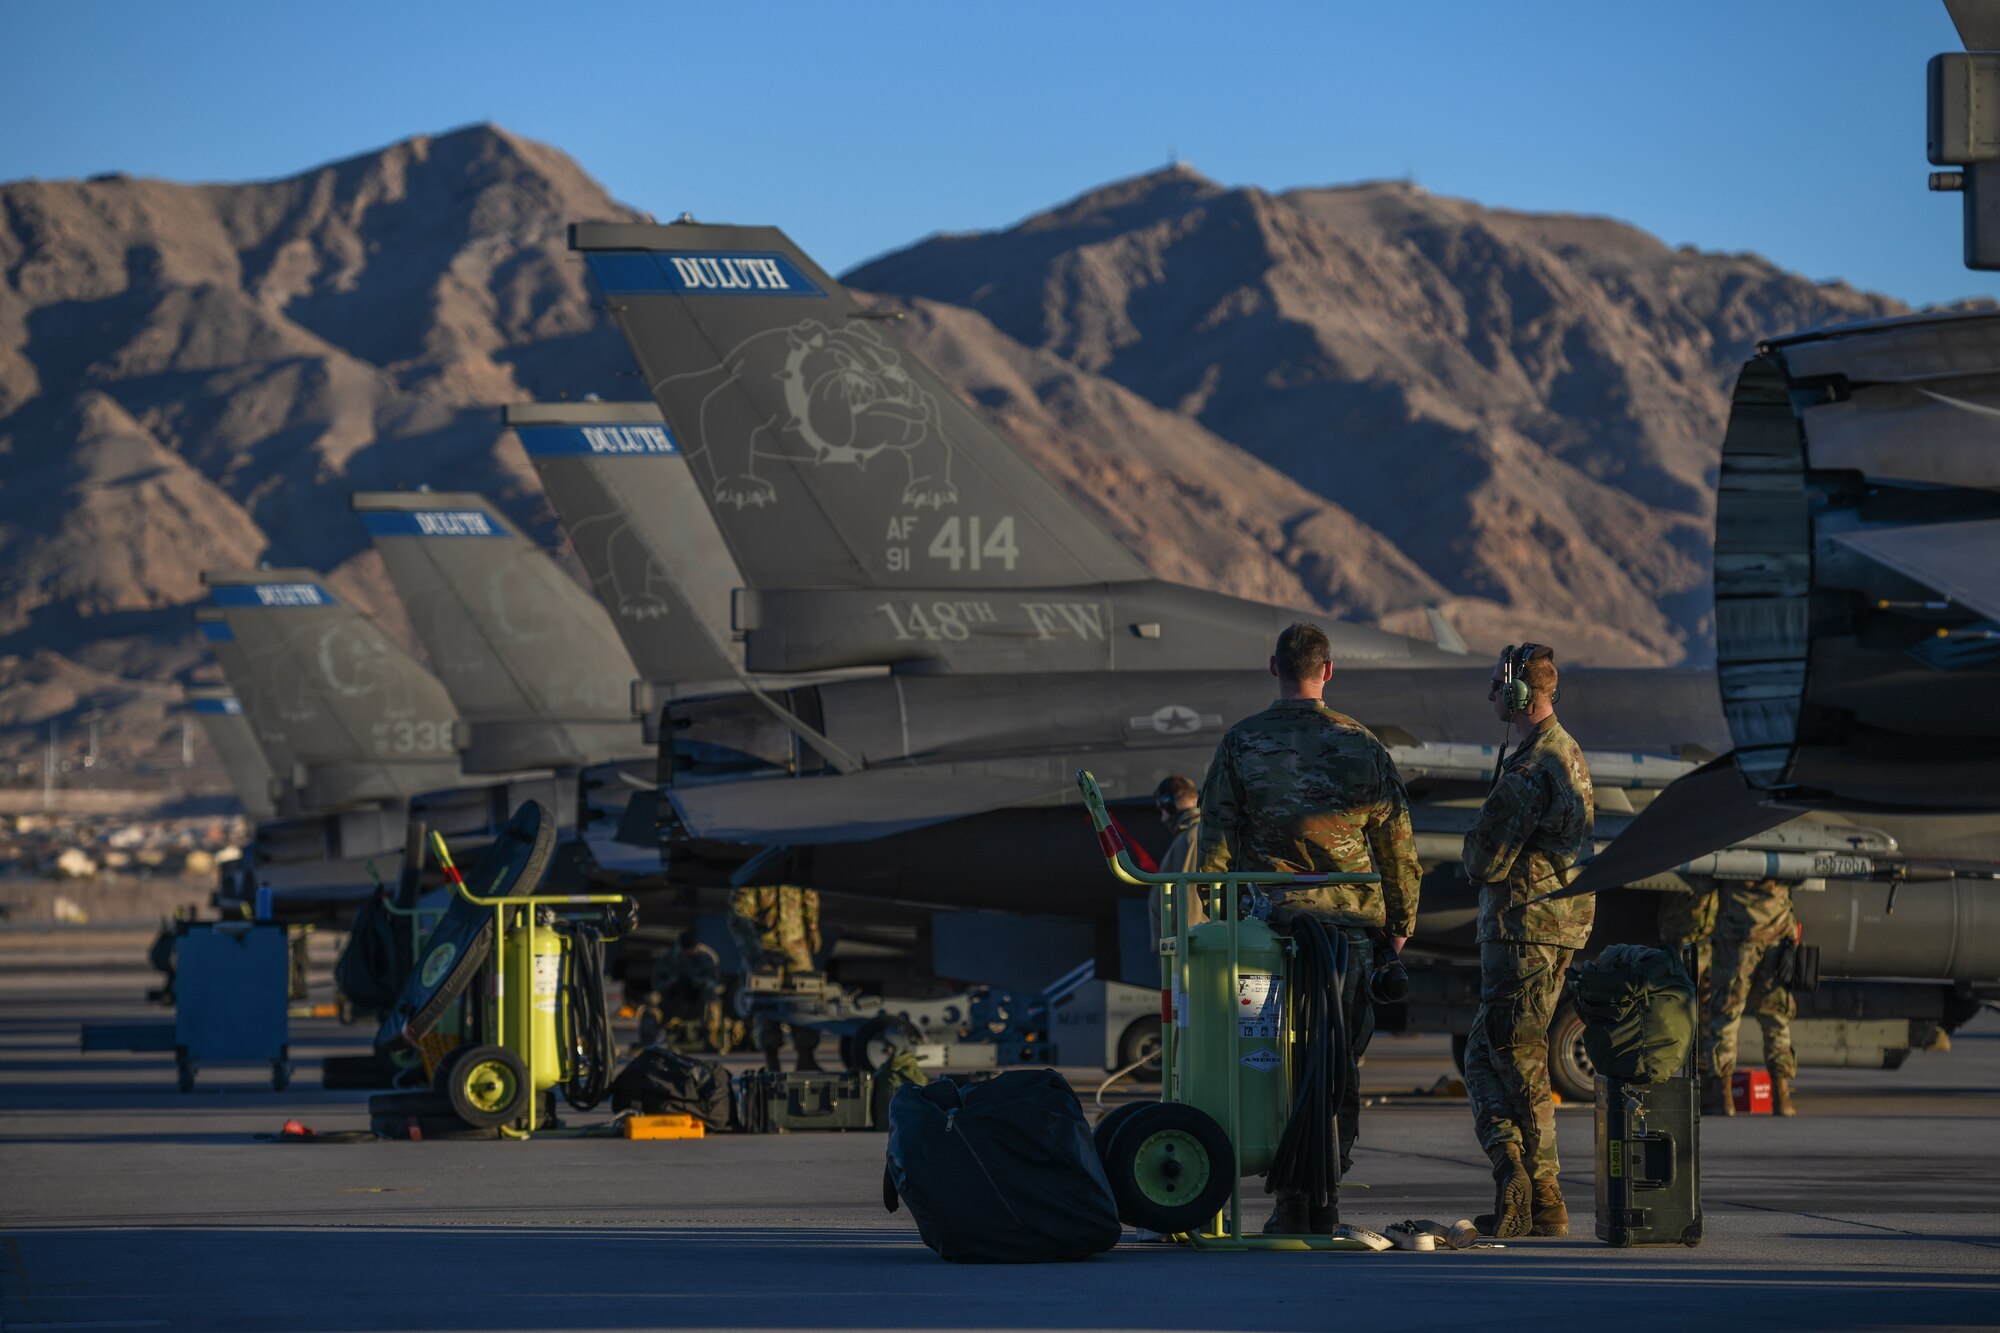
(1307, 1160)
(586, 1019)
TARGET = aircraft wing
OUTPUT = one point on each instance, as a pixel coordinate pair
(1957, 559)
(853, 807)
(1708, 809)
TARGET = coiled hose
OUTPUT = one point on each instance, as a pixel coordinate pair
(1307, 1160)
(586, 1018)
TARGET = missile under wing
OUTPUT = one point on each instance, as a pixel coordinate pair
(530, 659)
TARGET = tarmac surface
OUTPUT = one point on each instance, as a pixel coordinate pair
(127, 1204)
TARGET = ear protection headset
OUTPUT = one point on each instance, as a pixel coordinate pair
(1514, 690)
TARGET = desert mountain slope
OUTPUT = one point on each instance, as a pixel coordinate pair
(1366, 399)
(1526, 406)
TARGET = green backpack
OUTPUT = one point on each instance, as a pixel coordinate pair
(1637, 1006)
(899, 1071)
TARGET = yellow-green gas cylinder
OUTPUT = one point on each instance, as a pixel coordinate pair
(1231, 1032)
(532, 984)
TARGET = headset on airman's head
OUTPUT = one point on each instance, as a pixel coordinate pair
(1515, 690)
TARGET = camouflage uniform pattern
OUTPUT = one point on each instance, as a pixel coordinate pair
(688, 988)
(1754, 918)
(1690, 918)
(1532, 827)
(1179, 856)
(1300, 787)
(777, 928)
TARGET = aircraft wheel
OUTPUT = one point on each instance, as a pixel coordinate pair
(1570, 1071)
(1142, 1038)
(879, 1040)
(1169, 1166)
(488, 1086)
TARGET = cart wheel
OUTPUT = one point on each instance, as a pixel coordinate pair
(441, 1075)
(880, 1038)
(488, 1086)
(281, 1075)
(184, 1072)
(1101, 1132)
(1169, 1168)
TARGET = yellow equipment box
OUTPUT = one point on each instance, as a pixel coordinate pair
(663, 1127)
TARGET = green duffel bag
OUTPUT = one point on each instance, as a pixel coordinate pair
(1637, 1006)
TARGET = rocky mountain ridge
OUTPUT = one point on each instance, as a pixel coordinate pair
(1366, 398)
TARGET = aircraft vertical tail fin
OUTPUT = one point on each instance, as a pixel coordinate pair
(362, 721)
(251, 776)
(629, 504)
(830, 455)
(529, 658)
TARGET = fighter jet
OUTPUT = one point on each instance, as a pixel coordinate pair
(935, 783)
(1857, 541)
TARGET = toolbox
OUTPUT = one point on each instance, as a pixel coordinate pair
(772, 1102)
(1649, 1161)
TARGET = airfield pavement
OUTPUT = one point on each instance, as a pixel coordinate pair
(125, 1204)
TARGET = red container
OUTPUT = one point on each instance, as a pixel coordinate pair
(1750, 1089)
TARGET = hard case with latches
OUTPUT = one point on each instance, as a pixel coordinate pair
(773, 1102)
(1649, 1161)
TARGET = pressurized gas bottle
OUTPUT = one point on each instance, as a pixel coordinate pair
(1230, 1031)
(533, 990)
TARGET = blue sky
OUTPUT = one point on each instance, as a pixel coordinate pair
(1793, 128)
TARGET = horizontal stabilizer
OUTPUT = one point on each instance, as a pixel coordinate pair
(625, 496)
(853, 808)
(1710, 808)
(828, 452)
(528, 656)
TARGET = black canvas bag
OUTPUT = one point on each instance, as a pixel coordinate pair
(665, 1082)
(1001, 1172)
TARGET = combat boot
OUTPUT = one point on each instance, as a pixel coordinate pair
(1715, 1098)
(1781, 1097)
(1290, 1216)
(1513, 1196)
(805, 1064)
(1550, 1215)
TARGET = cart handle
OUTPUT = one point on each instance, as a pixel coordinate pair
(458, 886)
(1112, 842)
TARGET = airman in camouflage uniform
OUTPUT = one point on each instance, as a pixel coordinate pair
(777, 929)
(1531, 829)
(1755, 919)
(1300, 787)
(1178, 801)
(687, 998)
(1690, 918)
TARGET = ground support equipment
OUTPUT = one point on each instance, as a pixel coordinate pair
(1177, 1165)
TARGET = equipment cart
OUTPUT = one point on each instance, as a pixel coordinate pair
(232, 998)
